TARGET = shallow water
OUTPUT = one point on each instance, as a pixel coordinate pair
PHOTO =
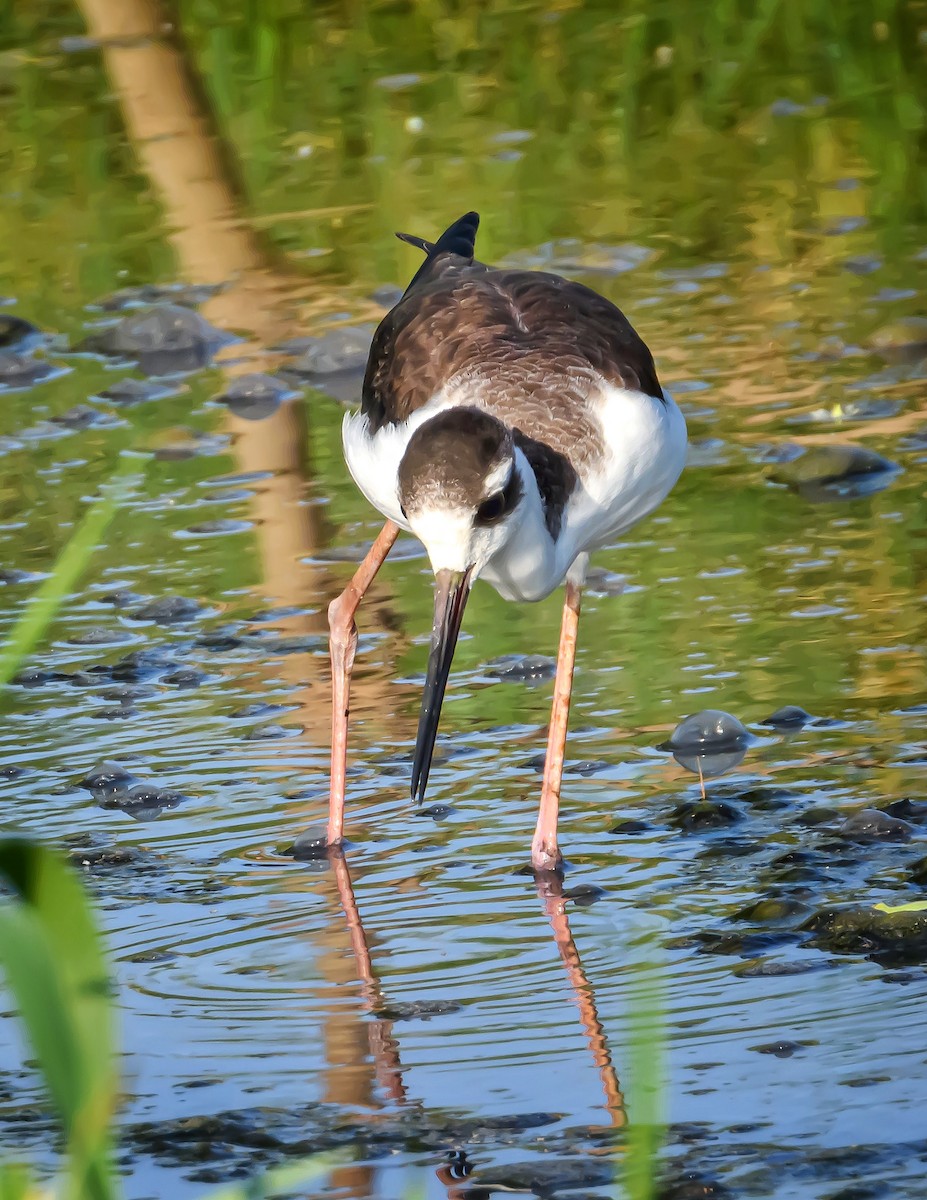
(779, 280)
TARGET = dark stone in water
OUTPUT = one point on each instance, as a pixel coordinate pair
(781, 1049)
(730, 848)
(763, 967)
(128, 392)
(890, 939)
(767, 799)
(121, 598)
(834, 472)
(81, 416)
(695, 816)
(218, 528)
(166, 339)
(418, 1010)
(169, 610)
(218, 641)
(790, 716)
(256, 710)
(264, 733)
(254, 397)
(547, 1176)
(522, 668)
(437, 812)
(310, 844)
(690, 1185)
(11, 576)
(584, 894)
(190, 295)
(587, 767)
(914, 811)
(186, 677)
(17, 333)
(334, 363)
(23, 371)
(871, 825)
(100, 637)
(917, 872)
(127, 693)
(772, 911)
(107, 778)
(137, 665)
(95, 858)
(904, 339)
(631, 826)
(336, 351)
(13, 771)
(820, 814)
(33, 677)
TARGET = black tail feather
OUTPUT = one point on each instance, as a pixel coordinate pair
(458, 239)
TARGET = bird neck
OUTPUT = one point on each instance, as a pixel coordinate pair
(526, 567)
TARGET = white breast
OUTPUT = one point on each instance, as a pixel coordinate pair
(644, 453)
(373, 459)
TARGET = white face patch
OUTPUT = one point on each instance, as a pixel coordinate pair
(497, 478)
(447, 535)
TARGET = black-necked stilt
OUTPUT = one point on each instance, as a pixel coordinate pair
(513, 421)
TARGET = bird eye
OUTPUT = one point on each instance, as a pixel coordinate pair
(491, 510)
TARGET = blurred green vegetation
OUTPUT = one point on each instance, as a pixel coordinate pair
(749, 135)
(717, 128)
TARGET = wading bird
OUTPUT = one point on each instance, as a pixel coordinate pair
(512, 421)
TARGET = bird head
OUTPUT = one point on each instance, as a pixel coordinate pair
(462, 496)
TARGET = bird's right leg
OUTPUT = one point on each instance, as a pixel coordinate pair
(343, 646)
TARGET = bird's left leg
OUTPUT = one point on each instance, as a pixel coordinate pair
(545, 853)
(343, 646)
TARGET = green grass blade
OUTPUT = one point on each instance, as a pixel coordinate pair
(53, 959)
(40, 612)
(646, 1083)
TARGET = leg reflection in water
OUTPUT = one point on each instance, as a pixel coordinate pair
(384, 1048)
(550, 890)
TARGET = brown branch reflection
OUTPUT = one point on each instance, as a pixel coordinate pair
(171, 128)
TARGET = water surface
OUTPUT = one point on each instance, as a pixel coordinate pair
(751, 195)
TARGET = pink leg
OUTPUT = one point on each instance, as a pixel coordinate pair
(343, 645)
(545, 853)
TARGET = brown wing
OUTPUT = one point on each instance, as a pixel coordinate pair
(535, 342)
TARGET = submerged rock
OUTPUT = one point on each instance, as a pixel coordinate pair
(169, 610)
(522, 668)
(889, 939)
(698, 816)
(335, 362)
(129, 392)
(418, 1010)
(790, 716)
(904, 339)
(872, 825)
(16, 333)
(187, 294)
(166, 339)
(547, 1176)
(835, 472)
(254, 397)
(22, 371)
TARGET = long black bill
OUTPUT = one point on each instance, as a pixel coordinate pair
(451, 591)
